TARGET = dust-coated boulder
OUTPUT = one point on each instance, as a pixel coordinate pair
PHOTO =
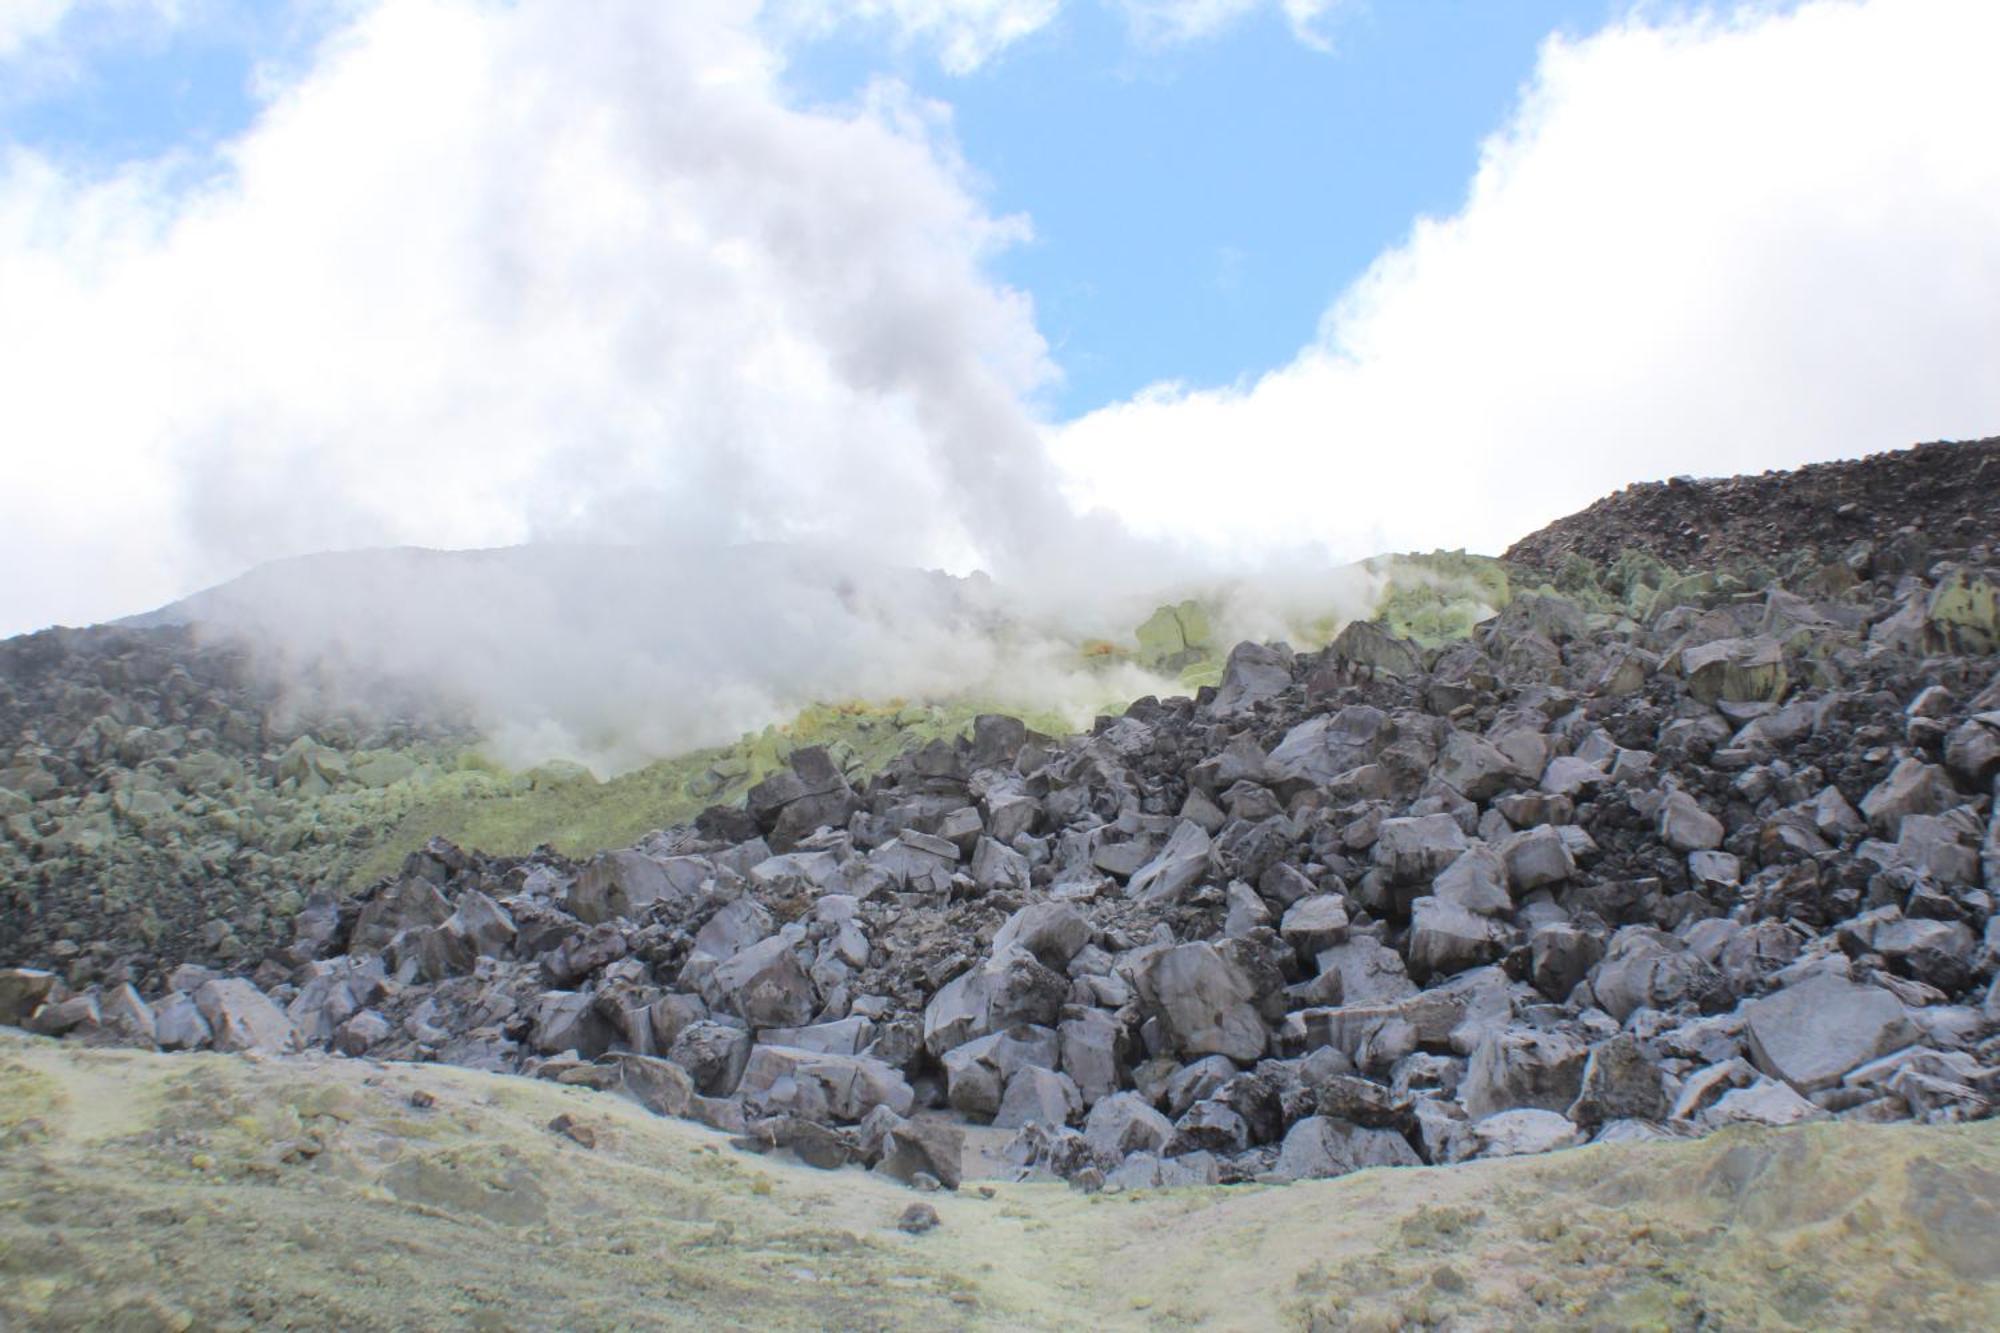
(569, 1021)
(243, 1018)
(1619, 1083)
(1318, 1147)
(1736, 671)
(1560, 955)
(1205, 1002)
(1126, 1123)
(820, 1087)
(22, 991)
(1523, 1133)
(1446, 938)
(1473, 766)
(127, 1018)
(1765, 1102)
(1686, 827)
(178, 1024)
(1178, 867)
(628, 883)
(1011, 988)
(1518, 1067)
(1365, 971)
(661, 1086)
(408, 904)
(1414, 849)
(1537, 858)
(1313, 924)
(1812, 1033)
(1038, 1096)
(1090, 1057)
(1252, 674)
(1648, 968)
(765, 985)
(1476, 881)
(714, 1054)
(1320, 749)
(1913, 787)
(1054, 932)
(929, 1147)
(998, 868)
(977, 1073)
(734, 927)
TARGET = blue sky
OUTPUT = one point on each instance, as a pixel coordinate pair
(1307, 280)
(1196, 205)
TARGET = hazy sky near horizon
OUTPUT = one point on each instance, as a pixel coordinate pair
(1263, 280)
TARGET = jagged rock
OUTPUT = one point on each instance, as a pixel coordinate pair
(1252, 674)
(765, 986)
(1619, 1083)
(1812, 1033)
(1312, 925)
(1053, 932)
(1517, 1067)
(1560, 956)
(1446, 938)
(22, 991)
(1414, 850)
(1179, 866)
(1010, 989)
(1686, 827)
(815, 1086)
(661, 1086)
(734, 928)
(1473, 766)
(1766, 1102)
(998, 868)
(1537, 858)
(927, 1147)
(714, 1054)
(1125, 1123)
(244, 1019)
(628, 883)
(1522, 1133)
(1736, 670)
(1912, 788)
(977, 1073)
(1648, 968)
(1321, 749)
(1206, 1003)
(1476, 881)
(1038, 1096)
(1090, 1057)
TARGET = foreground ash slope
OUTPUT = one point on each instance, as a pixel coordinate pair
(1652, 852)
(206, 1191)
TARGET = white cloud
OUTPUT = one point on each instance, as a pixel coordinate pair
(488, 272)
(965, 33)
(1708, 246)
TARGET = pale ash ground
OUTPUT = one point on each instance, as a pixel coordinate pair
(146, 1191)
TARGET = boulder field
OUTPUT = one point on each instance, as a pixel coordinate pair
(1641, 858)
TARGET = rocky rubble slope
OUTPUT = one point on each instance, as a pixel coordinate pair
(1634, 863)
(228, 1192)
(1884, 515)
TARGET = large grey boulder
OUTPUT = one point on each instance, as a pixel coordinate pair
(1686, 827)
(1650, 969)
(661, 1086)
(1446, 938)
(1560, 955)
(1313, 924)
(243, 1018)
(569, 1021)
(628, 883)
(178, 1024)
(1090, 1054)
(917, 862)
(1125, 1123)
(820, 1087)
(1054, 932)
(1038, 1096)
(1320, 749)
(1619, 1083)
(765, 985)
(1206, 1003)
(1913, 787)
(1736, 670)
(999, 993)
(734, 928)
(977, 1073)
(998, 868)
(1364, 971)
(22, 991)
(1536, 858)
(1518, 1067)
(1473, 766)
(1414, 849)
(1523, 1133)
(713, 1053)
(1476, 881)
(1318, 1146)
(1812, 1033)
(1178, 867)
(409, 904)
(1252, 674)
